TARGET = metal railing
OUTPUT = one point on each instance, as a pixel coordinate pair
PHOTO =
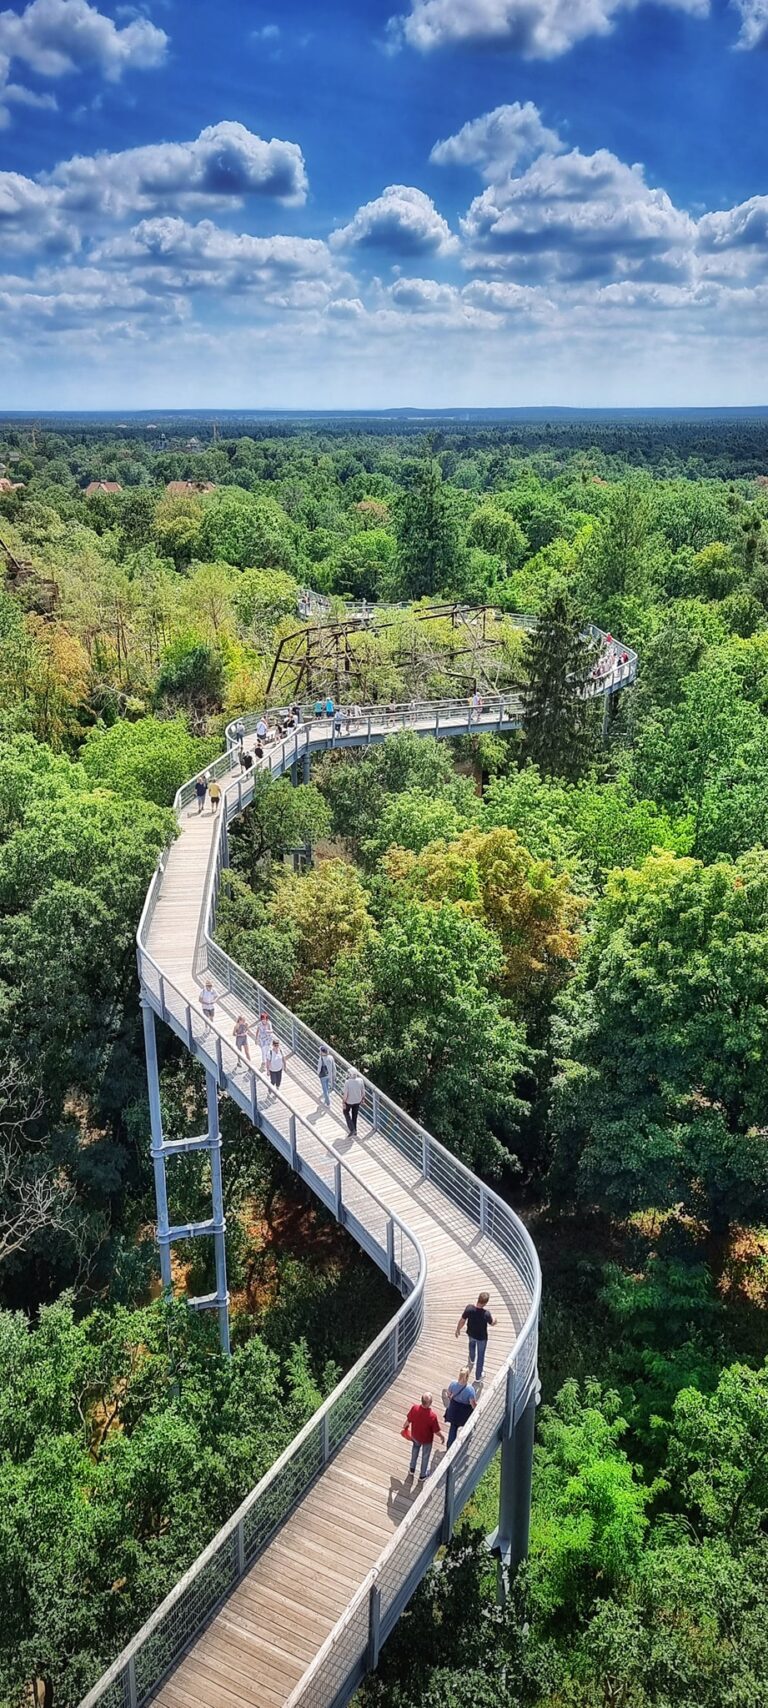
(353, 1644)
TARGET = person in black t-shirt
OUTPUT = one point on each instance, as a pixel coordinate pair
(478, 1320)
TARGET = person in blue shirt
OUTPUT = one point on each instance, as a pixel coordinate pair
(462, 1399)
(329, 706)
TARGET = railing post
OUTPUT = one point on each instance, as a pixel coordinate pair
(293, 1145)
(163, 1009)
(326, 1438)
(132, 1695)
(449, 1511)
(293, 1032)
(190, 1032)
(254, 1097)
(483, 1210)
(391, 1251)
(374, 1627)
(240, 1549)
(425, 1155)
(375, 1107)
(219, 1060)
(337, 1190)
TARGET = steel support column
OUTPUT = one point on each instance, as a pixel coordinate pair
(158, 1155)
(307, 767)
(217, 1196)
(510, 1541)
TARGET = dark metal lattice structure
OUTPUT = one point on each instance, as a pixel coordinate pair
(324, 655)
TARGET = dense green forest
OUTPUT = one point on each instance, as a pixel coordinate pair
(551, 948)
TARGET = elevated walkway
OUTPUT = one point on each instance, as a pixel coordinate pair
(291, 1601)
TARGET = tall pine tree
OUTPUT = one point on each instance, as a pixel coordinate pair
(557, 661)
(429, 552)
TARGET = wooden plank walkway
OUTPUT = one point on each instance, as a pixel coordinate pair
(259, 1645)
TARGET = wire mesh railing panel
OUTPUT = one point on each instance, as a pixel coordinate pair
(282, 1493)
(340, 1663)
(420, 1531)
(186, 1618)
(455, 1181)
(400, 1132)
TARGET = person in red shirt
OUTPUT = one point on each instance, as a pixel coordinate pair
(424, 1425)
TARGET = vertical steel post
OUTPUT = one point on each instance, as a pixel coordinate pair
(217, 1196)
(158, 1154)
(511, 1540)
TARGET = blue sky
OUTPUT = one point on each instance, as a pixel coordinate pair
(348, 205)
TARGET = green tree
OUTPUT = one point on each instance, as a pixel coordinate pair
(557, 663)
(428, 549)
(146, 759)
(662, 1100)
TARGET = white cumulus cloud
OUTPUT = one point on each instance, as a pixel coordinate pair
(576, 215)
(498, 141)
(754, 23)
(538, 29)
(402, 220)
(225, 162)
(57, 37)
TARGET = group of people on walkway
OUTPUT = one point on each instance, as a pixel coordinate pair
(207, 788)
(422, 1426)
(272, 1058)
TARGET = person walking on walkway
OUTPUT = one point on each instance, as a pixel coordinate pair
(214, 795)
(240, 1035)
(478, 1320)
(208, 1004)
(318, 708)
(338, 719)
(462, 1400)
(329, 706)
(238, 731)
(275, 1065)
(326, 1072)
(424, 1425)
(264, 1038)
(201, 790)
(354, 1092)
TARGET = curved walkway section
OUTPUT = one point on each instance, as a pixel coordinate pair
(291, 1600)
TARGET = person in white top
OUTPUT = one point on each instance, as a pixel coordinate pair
(264, 1038)
(326, 1073)
(275, 1064)
(262, 729)
(208, 1004)
(354, 1092)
